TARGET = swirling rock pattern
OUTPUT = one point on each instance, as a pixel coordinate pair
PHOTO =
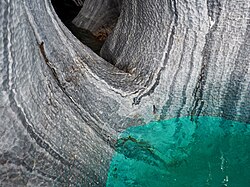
(62, 106)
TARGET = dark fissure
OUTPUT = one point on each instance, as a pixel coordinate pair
(67, 10)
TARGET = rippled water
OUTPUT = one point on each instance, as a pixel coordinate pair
(211, 151)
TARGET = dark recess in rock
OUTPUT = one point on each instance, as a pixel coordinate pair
(67, 10)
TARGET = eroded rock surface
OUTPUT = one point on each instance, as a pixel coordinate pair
(62, 106)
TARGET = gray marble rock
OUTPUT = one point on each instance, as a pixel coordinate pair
(62, 106)
(96, 14)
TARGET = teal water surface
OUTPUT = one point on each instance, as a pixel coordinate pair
(211, 151)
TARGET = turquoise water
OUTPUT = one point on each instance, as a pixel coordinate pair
(179, 152)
